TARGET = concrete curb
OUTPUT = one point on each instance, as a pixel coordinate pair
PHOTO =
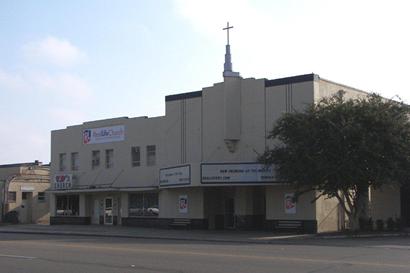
(134, 236)
(351, 236)
(264, 240)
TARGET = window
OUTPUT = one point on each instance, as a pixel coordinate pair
(150, 155)
(135, 156)
(41, 196)
(109, 158)
(67, 205)
(62, 162)
(11, 197)
(74, 161)
(95, 159)
(24, 195)
(143, 204)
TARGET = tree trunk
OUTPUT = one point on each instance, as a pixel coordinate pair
(360, 212)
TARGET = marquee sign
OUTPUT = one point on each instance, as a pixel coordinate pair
(217, 173)
(175, 176)
(63, 181)
(104, 134)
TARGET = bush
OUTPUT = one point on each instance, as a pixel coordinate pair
(398, 225)
(12, 217)
(366, 224)
(390, 224)
(379, 225)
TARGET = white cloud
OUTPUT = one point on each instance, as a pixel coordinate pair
(359, 43)
(55, 51)
(62, 84)
(10, 81)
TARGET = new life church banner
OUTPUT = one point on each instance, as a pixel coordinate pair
(104, 134)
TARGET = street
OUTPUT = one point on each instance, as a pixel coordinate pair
(21, 253)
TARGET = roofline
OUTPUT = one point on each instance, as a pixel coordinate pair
(26, 164)
(182, 96)
(293, 79)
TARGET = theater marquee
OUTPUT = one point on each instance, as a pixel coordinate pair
(217, 173)
(175, 176)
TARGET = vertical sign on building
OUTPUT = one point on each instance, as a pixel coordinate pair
(183, 204)
(290, 204)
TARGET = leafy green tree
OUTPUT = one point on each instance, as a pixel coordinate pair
(340, 147)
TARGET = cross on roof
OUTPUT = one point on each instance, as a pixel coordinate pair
(227, 30)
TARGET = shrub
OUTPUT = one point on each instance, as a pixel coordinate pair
(379, 225)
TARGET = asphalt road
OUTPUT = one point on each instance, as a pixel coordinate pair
(21, 253)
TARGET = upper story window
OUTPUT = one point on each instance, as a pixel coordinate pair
(62, 162)
(109, 158)
(135, 156)
(95, 161)
(151, 154)
(74, 161)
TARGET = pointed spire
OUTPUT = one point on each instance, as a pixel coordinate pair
(228, 64)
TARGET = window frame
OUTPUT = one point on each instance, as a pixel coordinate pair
(62, 160)
(95, 159)
(75, 166)
(109, 161)
(151, 155)
(43, 196)
(11, 200)
(135, 156)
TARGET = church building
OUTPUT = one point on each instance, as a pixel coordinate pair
(196, 165)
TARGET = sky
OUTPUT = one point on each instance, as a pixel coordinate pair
(66, 62)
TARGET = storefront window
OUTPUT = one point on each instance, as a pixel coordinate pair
(143, 204)
(67, 205)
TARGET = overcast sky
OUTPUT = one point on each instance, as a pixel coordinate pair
(66, 62)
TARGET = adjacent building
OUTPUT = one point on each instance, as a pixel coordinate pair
(23, 193)
(197, 164)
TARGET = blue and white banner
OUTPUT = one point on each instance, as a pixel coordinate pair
(104, 134)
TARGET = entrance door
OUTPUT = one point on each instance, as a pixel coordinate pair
(108, 213)
(25, 209)
(229, 213)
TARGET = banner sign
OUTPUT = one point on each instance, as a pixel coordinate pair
(63, 181)
(290, 204)
(183, 204)
(212, 173)
(174, 176)
(104, 134)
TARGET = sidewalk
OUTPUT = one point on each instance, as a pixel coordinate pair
(231, 236)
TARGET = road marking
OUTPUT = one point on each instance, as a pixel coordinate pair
(17, 257)
(219, 255)
(393, 247)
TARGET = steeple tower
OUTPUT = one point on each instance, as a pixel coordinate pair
(228, 64)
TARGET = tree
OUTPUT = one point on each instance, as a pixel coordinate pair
(340, 147)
